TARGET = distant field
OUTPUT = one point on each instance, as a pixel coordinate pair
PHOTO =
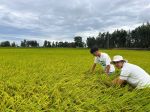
(57, 80)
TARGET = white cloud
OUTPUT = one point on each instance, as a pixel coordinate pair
(62, 20)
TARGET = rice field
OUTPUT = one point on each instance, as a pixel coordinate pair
(58, 80)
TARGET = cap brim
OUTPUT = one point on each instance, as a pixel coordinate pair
(112, 62)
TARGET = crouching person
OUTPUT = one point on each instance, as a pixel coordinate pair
(130, 73)
(103, 59)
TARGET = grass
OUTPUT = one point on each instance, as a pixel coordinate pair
(57, 80)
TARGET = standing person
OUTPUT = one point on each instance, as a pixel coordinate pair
(103, 59)
(130, 73)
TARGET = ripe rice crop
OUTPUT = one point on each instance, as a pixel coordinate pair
(57, 80)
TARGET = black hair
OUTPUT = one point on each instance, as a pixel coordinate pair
(93, 49)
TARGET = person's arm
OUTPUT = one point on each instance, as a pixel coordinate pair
(93, 67)
(108, 61)
(107, 69)
(118, 81)
(125, 73)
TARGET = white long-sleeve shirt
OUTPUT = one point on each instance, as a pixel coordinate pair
(135, 75)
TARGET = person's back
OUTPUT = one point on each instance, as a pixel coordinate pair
(135, 75)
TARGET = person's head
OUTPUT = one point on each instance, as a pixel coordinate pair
(95, 51)
(118, 61)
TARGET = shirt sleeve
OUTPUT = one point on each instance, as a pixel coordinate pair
(95, 60)
(124, 74)
(107, 59)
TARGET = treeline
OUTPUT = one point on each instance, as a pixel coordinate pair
(7, 44)
(77, 43)
(33, 43)
(137, 38)
(25, 43)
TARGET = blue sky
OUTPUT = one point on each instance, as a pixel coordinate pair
(62, 20)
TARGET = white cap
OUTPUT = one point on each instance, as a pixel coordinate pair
(117, 58)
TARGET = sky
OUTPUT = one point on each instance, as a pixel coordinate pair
(62, 20)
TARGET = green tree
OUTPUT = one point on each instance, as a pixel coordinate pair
(78, 41)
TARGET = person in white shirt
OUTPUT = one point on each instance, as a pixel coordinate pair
(130, 73)
(103, 59)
